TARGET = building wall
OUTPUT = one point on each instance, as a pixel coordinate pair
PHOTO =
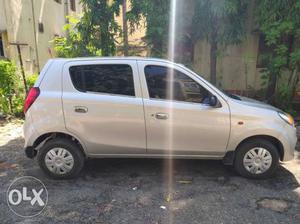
(19, 29)
(236, 64)
(2, 17)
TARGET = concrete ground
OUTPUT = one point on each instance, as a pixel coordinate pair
(137, 190)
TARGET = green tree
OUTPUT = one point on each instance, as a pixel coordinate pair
(155, 14)
(94, 33)
(279, 22)
(221, 23)
(98, 27)
(74, 45)
(125, 27)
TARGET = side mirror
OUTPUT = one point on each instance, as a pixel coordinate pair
(213, 101)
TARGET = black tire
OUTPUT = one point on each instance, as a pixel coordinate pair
(247, 146)
(71, 147)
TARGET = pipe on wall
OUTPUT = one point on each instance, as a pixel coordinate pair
(35, 40)
(66, 3)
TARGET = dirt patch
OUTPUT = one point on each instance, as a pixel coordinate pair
(10, 129)
(277, 205)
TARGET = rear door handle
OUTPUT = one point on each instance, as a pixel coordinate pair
(80, 109)
(161, 116)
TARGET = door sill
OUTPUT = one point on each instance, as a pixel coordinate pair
(166, 156)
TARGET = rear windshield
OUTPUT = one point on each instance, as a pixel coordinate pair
(111, 79)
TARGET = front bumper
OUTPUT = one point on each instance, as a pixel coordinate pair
(288, 139)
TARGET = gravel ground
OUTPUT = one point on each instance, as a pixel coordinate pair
(137, 190)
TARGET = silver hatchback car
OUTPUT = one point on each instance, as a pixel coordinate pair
(141, 107)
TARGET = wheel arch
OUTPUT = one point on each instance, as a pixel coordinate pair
(42, 139)
(275, 141)
(230, 155)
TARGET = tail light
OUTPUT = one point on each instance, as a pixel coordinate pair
(34, 92)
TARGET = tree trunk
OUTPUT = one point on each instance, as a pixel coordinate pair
(192, 53)
(294, 83)
(106, 51)
(104, 30)
(271, 88)
(157, 48)
(213, 61)
(125, 29)
(10, 104)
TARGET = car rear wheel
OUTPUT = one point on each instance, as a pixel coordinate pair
(257, 158)
(61, 158)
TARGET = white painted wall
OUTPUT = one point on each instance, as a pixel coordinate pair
(2, 16)
(19, 28)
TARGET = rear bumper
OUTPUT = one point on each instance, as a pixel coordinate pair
(30, 134)
(30, 152)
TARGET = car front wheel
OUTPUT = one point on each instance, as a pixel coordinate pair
(257, 158)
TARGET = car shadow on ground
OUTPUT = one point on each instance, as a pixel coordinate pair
(13, 153)
(183, 169)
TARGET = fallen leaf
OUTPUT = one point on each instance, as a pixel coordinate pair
(4, 165)
(184, 181)
(277, 205)
(3, 174)
(169, 197)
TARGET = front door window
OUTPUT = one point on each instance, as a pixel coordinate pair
(170, 84)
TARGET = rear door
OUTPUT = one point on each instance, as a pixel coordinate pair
(102, 105)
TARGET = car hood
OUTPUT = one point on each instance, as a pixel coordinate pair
(254, 103)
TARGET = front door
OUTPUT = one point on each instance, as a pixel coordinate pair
(178, 117)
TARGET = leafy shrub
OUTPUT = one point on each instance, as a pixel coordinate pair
(284, 98)
(74, 45)
(31, 80)
(280, 25)
(12, 93)
(8, 89)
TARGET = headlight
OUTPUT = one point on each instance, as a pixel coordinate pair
(287, 118)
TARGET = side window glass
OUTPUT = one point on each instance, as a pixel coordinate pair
(112, 79)
(170, 84)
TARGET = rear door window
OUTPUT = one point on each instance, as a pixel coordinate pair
(109, 79)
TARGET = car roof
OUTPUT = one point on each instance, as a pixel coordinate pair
(112, 58)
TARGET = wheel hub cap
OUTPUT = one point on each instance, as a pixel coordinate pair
(257, 160)
(59, 160)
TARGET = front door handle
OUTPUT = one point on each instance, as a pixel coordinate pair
(80, 109)
(161, 116)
